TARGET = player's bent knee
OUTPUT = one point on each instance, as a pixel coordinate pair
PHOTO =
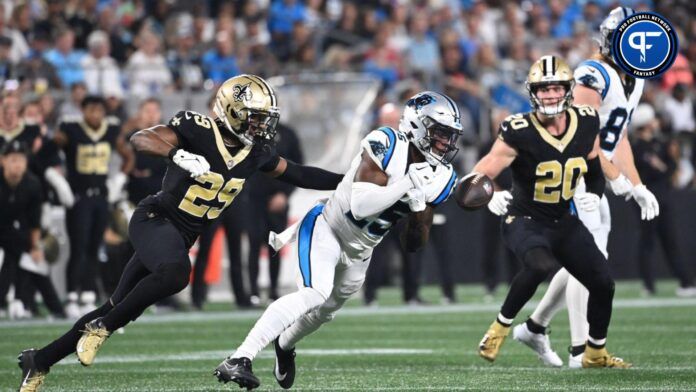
(539, 261)
(175, 275)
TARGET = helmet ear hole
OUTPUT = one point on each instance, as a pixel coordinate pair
(414, 125)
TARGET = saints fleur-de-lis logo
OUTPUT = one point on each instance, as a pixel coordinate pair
(241, 92)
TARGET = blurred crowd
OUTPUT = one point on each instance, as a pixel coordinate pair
(54, 54)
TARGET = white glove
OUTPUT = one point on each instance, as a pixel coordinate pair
(621, 186)
(115, 186)
(416, 200)
(499, 202)
(649, 208)
(587, 201)
(192, 163)
(60, 185)
(421, 174)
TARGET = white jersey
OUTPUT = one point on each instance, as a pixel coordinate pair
(618, 100)
(389, 149)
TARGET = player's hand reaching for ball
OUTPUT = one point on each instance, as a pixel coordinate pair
(192, 163)
(421, 175)
(499, 202)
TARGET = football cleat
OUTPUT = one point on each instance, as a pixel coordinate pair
(94, 335)
(493, 340)
(600, 358)
(575, 361)
(284, 370)
(32, 377)
(237, 370)
(539, 343)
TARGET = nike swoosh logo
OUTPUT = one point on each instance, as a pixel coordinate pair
(504, 127)
(186, 113)
(278, 375)
(26, 378)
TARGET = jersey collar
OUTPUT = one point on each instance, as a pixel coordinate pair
(230, 160)
(95, 134)
(11, 134)
(562, 143)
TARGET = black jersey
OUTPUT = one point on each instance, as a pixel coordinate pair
(87, 154)
(547, 168)
(146, 177)
(25, 133)
(190, 202)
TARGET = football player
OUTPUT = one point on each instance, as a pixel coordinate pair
(550, 150)
(208, 162)
(601, 85)
(398, 173)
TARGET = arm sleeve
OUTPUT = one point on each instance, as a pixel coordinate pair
(309, 177)
(592, 74)
(367, 199)
(594, 179)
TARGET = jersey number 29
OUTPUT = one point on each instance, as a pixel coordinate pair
(224, 194)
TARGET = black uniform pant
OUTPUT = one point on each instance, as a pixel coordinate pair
(29, 283)
(540, 246)
(159, 268)
(662, 229)
(9, 272)
(234, 228)
(86, 222)
(493, 252)
(258, 237)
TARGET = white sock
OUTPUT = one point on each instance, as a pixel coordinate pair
(576, 298)
(504, 319)
(597, 342)
(278, 316)
(552, 301)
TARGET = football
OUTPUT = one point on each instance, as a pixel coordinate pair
(474, 191)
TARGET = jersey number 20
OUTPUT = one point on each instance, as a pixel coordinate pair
(224, 194)
(557, 181)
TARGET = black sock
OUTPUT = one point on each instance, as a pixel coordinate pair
(65, 345)
(534, 327)
(577, 350)
(166, 280)
(596, 346)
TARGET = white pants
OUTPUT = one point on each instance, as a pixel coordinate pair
(598, 222)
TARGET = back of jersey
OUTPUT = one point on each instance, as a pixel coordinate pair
(619, 99)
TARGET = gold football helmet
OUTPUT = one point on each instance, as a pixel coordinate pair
(247, 105)
(550, 70)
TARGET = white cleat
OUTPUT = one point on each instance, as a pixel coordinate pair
(539, 343)
(686, 292)
(72, 308)
(575, 361)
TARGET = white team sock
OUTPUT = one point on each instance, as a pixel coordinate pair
(278, 316)
(552, 301)
(576, 298)
(504, 319)
(597, 342)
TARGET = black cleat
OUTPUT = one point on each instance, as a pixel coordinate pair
(237, 370)
(284, 370)
(32, 376)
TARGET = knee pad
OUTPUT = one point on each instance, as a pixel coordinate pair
(174, 275)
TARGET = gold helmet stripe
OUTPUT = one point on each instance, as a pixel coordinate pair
(263, 84)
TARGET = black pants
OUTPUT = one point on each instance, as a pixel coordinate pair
(86, 222)
(9, 272)
(567, 241)
(259, 229)
(493, 252)
(234, 222)
(662, 229)
(29, 284)
(159, 268)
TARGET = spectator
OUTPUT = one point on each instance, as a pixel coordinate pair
(423, 54)
(65, 59)
(220, 63)
(680, 110)
(147, 70)
(19, 47)
(101, 70)
(184, 61)
(35, 72)
(71, 107)
(381, 60)
(7, 68)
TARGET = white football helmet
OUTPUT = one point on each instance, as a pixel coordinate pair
(432, 122)
(608, 26)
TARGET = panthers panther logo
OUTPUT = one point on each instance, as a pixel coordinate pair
(420, 101)
(241, 92)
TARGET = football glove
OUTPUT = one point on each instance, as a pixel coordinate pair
(587, 202)
(192, 163)
(621, 186)
(421, 174)
(416, 200)
(649, 208)
(499, 202)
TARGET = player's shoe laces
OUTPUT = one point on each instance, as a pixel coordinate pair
(32, 377)
(93, 336)
(539, 343)
(237, 370)
(600, 358)
(284, 370)
(493, 340)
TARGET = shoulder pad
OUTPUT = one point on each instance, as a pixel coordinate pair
(593, 74)
(70, 119)
(113, 120)
(380, 145)
(512, 127)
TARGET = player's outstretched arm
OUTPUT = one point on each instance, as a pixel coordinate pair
(500, 157)
(159, 140)
(126, 153)
(623, 159)
(307, 177)
(594, 178)
(417, 231)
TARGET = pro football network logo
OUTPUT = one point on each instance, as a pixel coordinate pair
(645, 45)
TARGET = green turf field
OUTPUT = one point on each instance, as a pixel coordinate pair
(390, 347)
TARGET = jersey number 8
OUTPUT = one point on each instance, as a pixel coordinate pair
(546, 189)
(224, 194)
